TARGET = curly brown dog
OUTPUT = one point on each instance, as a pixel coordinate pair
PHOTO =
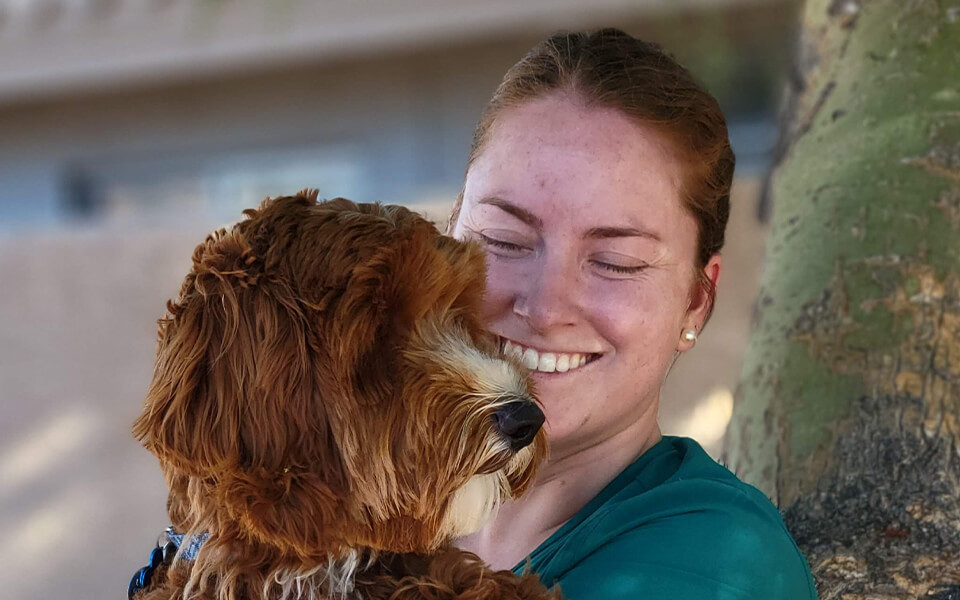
(326, 407)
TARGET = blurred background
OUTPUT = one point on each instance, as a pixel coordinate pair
(130, 128)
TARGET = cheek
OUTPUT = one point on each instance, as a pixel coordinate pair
(635, 317)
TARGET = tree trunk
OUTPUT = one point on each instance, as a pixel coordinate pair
(848, 412)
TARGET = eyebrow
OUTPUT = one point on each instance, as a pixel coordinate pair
(521, 213)
(597, 233)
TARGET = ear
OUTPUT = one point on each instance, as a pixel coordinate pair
(236, 412)
(701, 302)
(234, 378)
(190, 417)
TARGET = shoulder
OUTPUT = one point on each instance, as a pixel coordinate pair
(692, 530)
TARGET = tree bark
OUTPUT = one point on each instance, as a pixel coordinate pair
(848, 412)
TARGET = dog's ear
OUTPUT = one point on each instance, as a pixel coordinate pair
(191, 415)
(231, 350)
(235, 385)
(234, 412)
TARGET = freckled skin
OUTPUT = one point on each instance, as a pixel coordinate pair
(576, 168)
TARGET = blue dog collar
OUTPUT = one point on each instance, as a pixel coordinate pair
(169, 543)
(193, 543)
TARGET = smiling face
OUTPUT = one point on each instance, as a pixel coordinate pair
(591, 260)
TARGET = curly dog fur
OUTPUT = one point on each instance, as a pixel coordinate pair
(323, 405)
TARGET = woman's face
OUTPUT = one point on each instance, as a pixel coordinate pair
(590, 254)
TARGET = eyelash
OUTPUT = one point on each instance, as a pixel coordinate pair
(619, 269)
(499, 244)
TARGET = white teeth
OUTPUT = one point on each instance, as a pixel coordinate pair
(548, 362)
(530, 358)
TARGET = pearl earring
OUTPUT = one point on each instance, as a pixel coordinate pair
(690, 335)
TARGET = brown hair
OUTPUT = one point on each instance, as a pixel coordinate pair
(611, 69)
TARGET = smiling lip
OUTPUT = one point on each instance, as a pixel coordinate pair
(543, 361)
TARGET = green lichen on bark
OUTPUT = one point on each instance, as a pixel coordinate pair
(851, 191)
(822, 392)
(856, 340)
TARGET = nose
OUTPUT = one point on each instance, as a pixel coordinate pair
(519, 422)
(546, 298)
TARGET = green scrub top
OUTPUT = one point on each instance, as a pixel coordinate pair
(675, 525)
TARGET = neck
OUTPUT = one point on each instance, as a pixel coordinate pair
(599, 462)
(574, 475)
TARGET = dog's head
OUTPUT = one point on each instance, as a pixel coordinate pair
(323, 383)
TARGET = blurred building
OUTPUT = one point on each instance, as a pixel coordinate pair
(149, 111)
(128, 128)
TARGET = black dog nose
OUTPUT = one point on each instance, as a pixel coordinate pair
(519, 422)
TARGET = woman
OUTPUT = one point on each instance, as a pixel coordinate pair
(599, 181)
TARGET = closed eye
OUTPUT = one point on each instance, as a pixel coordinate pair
(619, 269)
(507, 246)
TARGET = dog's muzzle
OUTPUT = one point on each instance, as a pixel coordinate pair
(518, 422)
